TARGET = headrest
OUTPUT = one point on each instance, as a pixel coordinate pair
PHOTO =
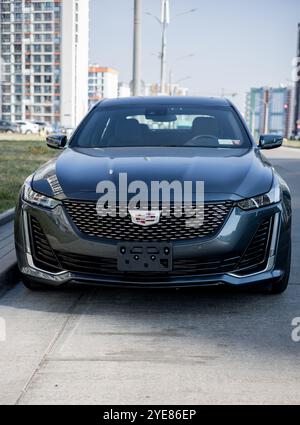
(205, 126)
(128, 131)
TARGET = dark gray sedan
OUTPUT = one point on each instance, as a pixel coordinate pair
(73, 224)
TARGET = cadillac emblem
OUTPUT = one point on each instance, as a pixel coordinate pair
(145, 218)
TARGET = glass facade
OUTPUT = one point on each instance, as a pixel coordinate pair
(268, 110)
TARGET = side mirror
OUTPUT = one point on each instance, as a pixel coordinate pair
(270, 141)
(56, 141)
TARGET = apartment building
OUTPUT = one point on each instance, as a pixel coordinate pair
(44, 58)
(103, 83)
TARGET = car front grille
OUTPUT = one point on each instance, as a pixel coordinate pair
(84, 216)
(253, 259)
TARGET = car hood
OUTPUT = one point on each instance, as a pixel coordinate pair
(227, 173)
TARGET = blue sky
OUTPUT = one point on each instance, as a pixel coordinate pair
(236, 44)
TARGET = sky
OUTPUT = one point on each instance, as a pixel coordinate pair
(237, 44)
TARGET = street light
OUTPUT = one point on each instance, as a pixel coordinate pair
(136, 73)
(164, 22)
(186, 12)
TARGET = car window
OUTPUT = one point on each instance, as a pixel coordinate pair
(216, 127)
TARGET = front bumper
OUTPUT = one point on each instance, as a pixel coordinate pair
(235, 236)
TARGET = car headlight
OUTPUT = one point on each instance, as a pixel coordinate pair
(35, 198)
(272, 197)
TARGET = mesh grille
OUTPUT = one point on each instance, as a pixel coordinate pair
(257, 252)
(85, 218)
(44, 255)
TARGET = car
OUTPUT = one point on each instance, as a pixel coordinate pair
(135, 200)
(27, 127)
(8, 127)
(66, 130)
(43, 127)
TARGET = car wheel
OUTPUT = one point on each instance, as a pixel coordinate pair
(28, 132)
(9, 132)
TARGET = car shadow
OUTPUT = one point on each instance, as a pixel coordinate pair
(236, 319)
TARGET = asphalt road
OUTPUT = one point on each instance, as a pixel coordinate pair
(87, 345)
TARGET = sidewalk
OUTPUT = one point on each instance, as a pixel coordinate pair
(8, 265)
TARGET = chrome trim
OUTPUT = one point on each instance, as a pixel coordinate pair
(26, 231)
(55, 185)
(274, 235)
(272, 256)
(32, 270)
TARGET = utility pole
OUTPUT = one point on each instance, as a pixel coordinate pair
(165, 20)
(137, 49)
(297, 88)
(267, 110)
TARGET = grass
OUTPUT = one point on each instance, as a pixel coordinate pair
(19, 157)
(292, 143)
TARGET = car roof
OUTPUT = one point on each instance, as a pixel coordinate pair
(164, 100)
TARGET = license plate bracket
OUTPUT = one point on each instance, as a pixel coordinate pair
(145, 257)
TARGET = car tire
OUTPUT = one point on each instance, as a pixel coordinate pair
(28, 132)
(9, 132)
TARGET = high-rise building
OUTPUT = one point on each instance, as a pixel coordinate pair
(103, 83)
(268, 110)
(295, 125)
(44, 51)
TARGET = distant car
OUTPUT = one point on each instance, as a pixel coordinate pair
(66, 130)
(27, 127)
(8, 127)
(43, 126)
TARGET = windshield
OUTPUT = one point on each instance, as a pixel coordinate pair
(167, 126)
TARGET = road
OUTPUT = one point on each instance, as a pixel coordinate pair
(208, 346)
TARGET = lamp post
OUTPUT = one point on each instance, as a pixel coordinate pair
(136, 77)
(164, 22)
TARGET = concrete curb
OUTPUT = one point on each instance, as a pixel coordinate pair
(9, 272)
(7, 216)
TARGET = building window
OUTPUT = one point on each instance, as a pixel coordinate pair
(48, 79)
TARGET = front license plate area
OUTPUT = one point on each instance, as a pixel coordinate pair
(144, 256)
